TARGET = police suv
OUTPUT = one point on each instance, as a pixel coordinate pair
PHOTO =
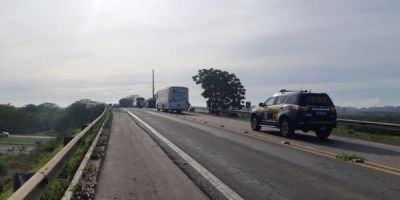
(296, 110)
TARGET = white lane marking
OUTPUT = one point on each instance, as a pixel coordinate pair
(219, 185)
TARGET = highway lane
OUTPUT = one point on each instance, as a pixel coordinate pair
(377, 152)
(257, 169)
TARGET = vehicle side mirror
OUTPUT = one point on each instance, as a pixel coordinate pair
(261, 104)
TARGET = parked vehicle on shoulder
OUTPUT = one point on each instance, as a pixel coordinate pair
(172, 99)
(4, 134)
(296, 110)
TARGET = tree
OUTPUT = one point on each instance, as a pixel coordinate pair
(221, 89)
(31, 119)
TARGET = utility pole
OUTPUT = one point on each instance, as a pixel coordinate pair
(153, 82)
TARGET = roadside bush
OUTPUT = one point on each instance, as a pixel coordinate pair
(3, 167)
(71, 166)
(48, 146)
(56, 190)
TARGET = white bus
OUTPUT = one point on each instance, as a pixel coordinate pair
(172, 99)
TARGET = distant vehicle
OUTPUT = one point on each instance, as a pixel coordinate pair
(4, 134)
(172, 99)
(296, 110)
(150, 103)
(138, 102)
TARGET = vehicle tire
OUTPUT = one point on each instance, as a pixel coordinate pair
(323, 134)
(286, 128)
(158, 109)
(179, 111)
(255, 123)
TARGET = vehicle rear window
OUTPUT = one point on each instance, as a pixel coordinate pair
(316, 100)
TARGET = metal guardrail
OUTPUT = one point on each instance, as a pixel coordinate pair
(34, 187)
(348, 122)
(370, 125)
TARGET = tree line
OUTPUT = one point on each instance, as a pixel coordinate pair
(32, 118)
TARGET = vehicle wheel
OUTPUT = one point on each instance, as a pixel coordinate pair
(286, 128)
(255, 123)
(158, 109)
(323, 134)
(179, 111)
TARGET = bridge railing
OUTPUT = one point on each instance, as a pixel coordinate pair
(379, 126)
(34, 187)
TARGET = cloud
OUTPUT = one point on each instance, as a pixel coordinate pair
(61, 51)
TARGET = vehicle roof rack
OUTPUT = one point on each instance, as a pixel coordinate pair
(285, 90)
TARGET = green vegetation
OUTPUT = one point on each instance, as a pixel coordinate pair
(7, 191)
(384, 137)
(22, 141)
(77, 189)
(31, 119)
(44, 158)
(58, 187)
(3, 168)
(350, 157)
(73, 116)
(221, 89)
(29, 162)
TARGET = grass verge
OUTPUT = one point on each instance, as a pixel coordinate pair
(367, 135)
(350, 157)
(21, 141)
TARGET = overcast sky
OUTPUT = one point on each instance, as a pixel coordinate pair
(63, 51)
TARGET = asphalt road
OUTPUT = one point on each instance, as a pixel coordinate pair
(257, 169)
(380, 153)
(135, 167)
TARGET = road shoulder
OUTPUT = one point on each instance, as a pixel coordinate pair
(135, 167)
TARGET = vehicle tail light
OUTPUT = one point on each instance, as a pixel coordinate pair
(299, 108)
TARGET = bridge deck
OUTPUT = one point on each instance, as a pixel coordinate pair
(135, 167)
